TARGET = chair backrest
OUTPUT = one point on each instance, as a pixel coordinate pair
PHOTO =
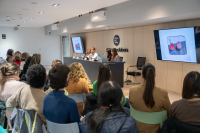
(149, 117)
(121, 59)
(60, 128)
(141, 61)
(79, 98)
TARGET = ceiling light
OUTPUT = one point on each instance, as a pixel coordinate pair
(31, 18)
(24, 21)
(8, 16)
(41, 12)
(7, 20)
(18, 25)
(13, 19)
(33, 3)
(25, 9)
(55, 4)
(19, 14)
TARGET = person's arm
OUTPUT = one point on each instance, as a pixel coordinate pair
(85, 88)
(167, 105)
(95, 88)
(124, 100)
(95, 56)
(13, 101)
(73, 112)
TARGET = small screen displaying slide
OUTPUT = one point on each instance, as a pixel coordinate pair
(178, 44)
(77, 45)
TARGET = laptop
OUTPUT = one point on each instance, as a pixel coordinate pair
(104, 58)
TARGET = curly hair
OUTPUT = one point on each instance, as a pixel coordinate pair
(36, 76)
(58, 76)
(25, 56)
(36, 59)
(8, 69)
(77, 71)
(18, 56)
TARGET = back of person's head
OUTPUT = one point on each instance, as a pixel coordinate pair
(104, 75)
(191, 85)
(110, 97)
(10, 56)
(18, 56)
(58, 76)
(8, 69)
(148, 72)
(114, 53)
(54, 62)
(35, 59)
(36, 76)
(25, 56)
(77, 71)
(28, 60)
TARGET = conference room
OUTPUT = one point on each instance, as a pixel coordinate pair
(99, 66)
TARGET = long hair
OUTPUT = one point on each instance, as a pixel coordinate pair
(114, 50)
(77, 71)
(35, 59)
(148, 72)
(191, 85)
(104, 75)
(110, 95)
(10, 57)
(18, 56)
(8, 69)
(25, 56)
(109, 53)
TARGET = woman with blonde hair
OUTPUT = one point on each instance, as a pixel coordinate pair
(9, 83)
(115, 57)
(54, 62)
(78, 82)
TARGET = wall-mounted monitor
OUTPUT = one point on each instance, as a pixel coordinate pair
(77, 45)
(182, 44)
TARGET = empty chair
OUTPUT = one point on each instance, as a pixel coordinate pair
(79, 98)
(139, 65)
(60, 128)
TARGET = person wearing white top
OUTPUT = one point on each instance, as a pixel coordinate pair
(94, 54)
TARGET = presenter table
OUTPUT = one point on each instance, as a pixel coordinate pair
(92, 69)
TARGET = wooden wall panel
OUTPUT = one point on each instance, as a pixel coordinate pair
(161, 66)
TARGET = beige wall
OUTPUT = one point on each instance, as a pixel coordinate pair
(140, 42)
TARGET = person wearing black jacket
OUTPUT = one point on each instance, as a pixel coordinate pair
(25, 68)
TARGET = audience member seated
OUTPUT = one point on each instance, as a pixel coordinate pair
(103, 76)
(78, 83)
(30, 97)
(9, 83)
(57, 107)
(54, 62)
(10, 56)
(110, 118)
(109, 55)
(115, 57)
(187, 109)
(148, 98)
(18, 57)
(24, 58)
(25, 68)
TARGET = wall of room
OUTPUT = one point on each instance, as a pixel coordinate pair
(140, 42)
(31, 40)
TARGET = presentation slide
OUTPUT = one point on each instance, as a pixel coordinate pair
(77, 45)
(178, 45)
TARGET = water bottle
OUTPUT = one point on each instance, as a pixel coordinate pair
(75, 56)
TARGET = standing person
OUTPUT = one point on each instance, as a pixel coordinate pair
(9, 83)
(10, 56)
(187, 109)
(25, 56)
(147, 97)
(109, 55)
(110, 117)
(94, 54)
(30, 97)
(18, 57)
(115, 56)
(57, 107)
(78, 83)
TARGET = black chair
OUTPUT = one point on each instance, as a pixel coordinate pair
(140, 63)
(121, 59)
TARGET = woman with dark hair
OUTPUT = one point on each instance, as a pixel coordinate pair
(187, 109)
(115, 56)
(110, 117)
(25, 56)
(109, 55)
(36, 59)
(10, 56)
(25, 68)
(103, 76)
(147, 97)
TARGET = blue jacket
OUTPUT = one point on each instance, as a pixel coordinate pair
(116, 122)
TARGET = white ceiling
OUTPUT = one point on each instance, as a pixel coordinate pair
(67, 9)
